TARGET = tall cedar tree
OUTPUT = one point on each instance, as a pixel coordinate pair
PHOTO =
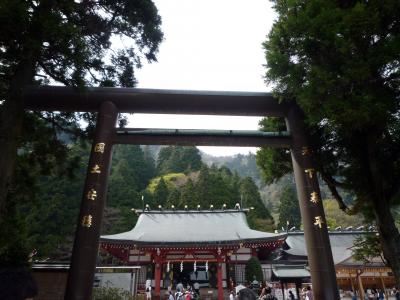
(177, 159)
(340, 61)
(68, 42)
(253, 270)
(289, 210)
(49, 216)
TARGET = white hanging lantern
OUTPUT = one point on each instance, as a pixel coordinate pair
(206, 266)
(168, 267)
(181, 266)
(194, 266)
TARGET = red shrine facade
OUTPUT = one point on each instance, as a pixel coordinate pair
(210, 247)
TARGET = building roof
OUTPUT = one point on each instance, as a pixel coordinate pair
(192, 227)
(351, 262)
(282, 272)
(341, 243)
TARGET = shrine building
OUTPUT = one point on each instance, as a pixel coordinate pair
(207, 246)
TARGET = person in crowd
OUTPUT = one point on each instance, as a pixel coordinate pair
(196, 287)
(231, 295)
(170, 296)
(179, 295)
(308, 295)
(179, 287)
(263, 293)
(367, 294)
(291, 295)
(148, 291)
(397, 293)
(247, 294)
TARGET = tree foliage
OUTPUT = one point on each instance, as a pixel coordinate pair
(339, 61)
(52, 214)
(367, 248)
(103, 293)
(336, 217)
(211, 186)
(289, 210)
(68, 42)
(174, 159)
(253, 270)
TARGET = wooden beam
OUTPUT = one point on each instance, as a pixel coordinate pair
(133, 100)
(191, 137)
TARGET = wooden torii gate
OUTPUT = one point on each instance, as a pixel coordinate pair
(108, 102)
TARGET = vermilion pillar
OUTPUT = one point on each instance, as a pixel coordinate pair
(323, 275)
(157, 276)
(219, 279)
(84, 254)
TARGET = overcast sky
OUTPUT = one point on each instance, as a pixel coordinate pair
(209, 45)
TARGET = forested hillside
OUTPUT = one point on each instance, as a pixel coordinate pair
(244, 165)
(280, 196)
(177, 176)
(166, 176)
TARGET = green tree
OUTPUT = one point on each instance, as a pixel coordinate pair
(253, 270)
(67, 42)
(336, 217)
(161, 193)
(203, 187)
(188, 195)
(339, 61)
(102, 293)
(150, 170)
(251, 198)
(367, 247)
(289, 209)
(51, 215)
(174, 198)
(176, 159)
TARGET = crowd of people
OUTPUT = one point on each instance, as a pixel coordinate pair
(191, 292)
(376, 294)
(267, 292)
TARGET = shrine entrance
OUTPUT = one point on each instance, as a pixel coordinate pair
(191, 274)
(182, 254)
(108, 102)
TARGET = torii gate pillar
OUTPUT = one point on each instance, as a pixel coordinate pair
(84, 254)
(323, 275)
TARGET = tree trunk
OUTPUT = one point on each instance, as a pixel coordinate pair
(11, 123)
(389, 236)
(388, 233)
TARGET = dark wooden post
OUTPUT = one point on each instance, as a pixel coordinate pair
(84, 254)
(319, 252)
(157, 276)
(219, 278)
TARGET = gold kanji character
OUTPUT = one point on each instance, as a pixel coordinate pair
(92, 194)
(96, 169)
(318, 221)
(314, 197)
(99, 147)
(310, 172)
(87, 221)
(305, 151)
